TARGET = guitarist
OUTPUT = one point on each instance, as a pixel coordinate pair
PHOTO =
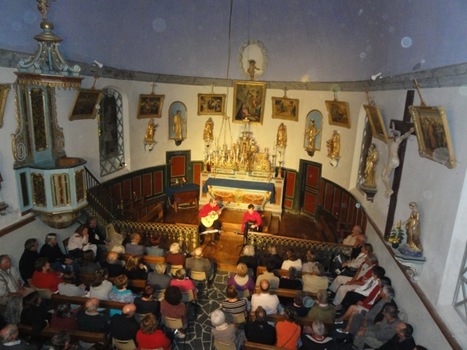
(209, 214)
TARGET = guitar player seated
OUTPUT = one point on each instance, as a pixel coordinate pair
(209, 215)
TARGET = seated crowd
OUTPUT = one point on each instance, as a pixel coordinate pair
(296, 303)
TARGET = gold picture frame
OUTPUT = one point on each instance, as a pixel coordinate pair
(150, 106)
(433, 135)
(249, 101)
(338, 113)
(285, 108)
(378, 129)
(86, 104)
(4, 91)
(211, 104)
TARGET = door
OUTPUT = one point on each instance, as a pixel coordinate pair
(178, 167)
(310, 174)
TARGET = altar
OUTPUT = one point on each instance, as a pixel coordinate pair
(239, 190)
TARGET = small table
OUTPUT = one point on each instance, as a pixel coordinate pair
(185, 194)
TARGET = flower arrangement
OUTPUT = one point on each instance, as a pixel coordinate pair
(396, 236)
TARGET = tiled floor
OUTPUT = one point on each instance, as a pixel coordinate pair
(199, 330)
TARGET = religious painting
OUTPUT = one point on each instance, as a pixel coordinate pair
(211, 104)
(150, 106)
(86, 104)
(378, 128)
(177, 121)
(338, 113)
(433, 136)
(249, 100)
(313, 131)
(285, 108)
(4, 90)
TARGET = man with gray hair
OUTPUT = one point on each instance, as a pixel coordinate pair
(10, 280)
(89, 319)
(124, 326)
(9, 337)
(314, 337)
(200, 264)
(268, 301)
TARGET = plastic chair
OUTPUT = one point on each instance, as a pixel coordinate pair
(174, 268)
(123, 344)
(198, 276)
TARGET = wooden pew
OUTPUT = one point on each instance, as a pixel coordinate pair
(286, 293)
(147, 259)
(106, 304)
(249, 345)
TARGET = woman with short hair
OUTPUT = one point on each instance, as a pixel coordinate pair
(149, 337)
(241, 281)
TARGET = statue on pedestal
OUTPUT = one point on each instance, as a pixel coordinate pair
(413, 247)
(370, 167)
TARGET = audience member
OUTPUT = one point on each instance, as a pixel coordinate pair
(149, 337)
(12, 312)
(44, 278)
(291, 261)
(288, 331)
(97, 236)
(273, 256)
(322, 311)
(155, 248)
(87, 263)
(68, 286)
(135, 269)
(134, 247)
(350, 267)
(199, 264)
(159, 278)
(78, 242)
(60, 341)
(28, 258)
(146, 304)
(402, 340)
(315, 280)
(100, 286)
(269, 276)
(244, 283)
(233, 305)
(124, 326)
(89, 319)
(172, 306)
(355, 237)
(113, 265)
(174, 256)
(223, 331)
(259, 330)
(310, 262)
(314, 337)
(33, 314)
(10, 280)
(9, 339)
(120, 293)
(184, 283)
(291, 281)
(51, 250)
(302, 304)
(63, 318)
(249, 259)
(268, 301)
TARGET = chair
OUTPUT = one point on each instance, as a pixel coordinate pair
(139, 317)
(198, 276)
(188, 297)
(123, 344)
(174, 268)
(172, 323)
(224, 346)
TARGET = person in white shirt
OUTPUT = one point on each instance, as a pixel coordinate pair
(291, 261)
(79, 242)
(269, 302)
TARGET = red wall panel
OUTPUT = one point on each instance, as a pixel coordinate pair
(147, 185)
(290, 184)
(178, 166)
(158, 182)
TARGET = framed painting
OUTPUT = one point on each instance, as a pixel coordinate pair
(177, 121)
(211, 104)
(86, 104)
(376, 122)
(433, 136)
(150, 106)
(4, 90)
(338, 113)
(285, 108)
(249, 100)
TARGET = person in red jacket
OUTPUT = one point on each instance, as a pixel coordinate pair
(251, 220)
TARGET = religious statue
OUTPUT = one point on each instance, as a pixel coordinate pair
(392, 163)
(333, 145)
(311, 133)
(413, 246)
(281, 136)
(178, 125)
(370, 167)
(208, 136)
(251, 69)
(150, 130)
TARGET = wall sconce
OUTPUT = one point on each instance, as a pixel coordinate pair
(149, 142)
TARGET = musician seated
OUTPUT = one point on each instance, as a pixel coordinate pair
(251, 220)
(209, 215)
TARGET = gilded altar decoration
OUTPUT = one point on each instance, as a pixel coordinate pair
(334, 145)
(4, 90)
(149, 141)
(38, 190)
(281, 140)
(208, 132)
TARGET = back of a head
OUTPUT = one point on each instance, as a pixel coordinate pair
(121, 281)
(318, 328)
(260, 314)
(379, 271)
(231, 291)
(242, 269)
(408, 331)
(369, 248)
(198, 252)
(322, 296)
(264, 286)
(217, 318)
(389, 292)
(180, 274)
(161, 268)
(99, 277)
(148, 324)
(293, 273)
(61, 340)
(173, 295)
(318, 269)
(92, 304)
(249, 250)
(112, 257)
(174, 248)
(290, 314)
(129, 310)
(30, 243)
(391, 310)
(270, 265)
(9, 333)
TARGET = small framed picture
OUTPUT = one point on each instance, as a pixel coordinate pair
(86, 104)
(376, 122)
(211, 104)
(285, 108)
(249, 100)
(4, 90)
(433, 136)
(338, 113)
(177, 121)
(150, 106)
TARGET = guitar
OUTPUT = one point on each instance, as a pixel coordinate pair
(209, 219)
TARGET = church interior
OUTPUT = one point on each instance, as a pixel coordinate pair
(319, 113)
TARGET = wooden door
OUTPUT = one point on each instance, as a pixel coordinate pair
(310, 174)
(178, 167)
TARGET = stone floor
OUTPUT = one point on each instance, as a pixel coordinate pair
(198, 335)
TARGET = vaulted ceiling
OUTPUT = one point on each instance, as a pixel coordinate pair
(305, 40)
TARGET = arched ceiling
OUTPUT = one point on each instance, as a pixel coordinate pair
(305, 40)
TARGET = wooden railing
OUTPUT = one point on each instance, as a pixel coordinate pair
(100, 198)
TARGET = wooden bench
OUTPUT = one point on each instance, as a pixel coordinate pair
(249, 345)
(286, 293)
(106, 304)
(280, 273)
